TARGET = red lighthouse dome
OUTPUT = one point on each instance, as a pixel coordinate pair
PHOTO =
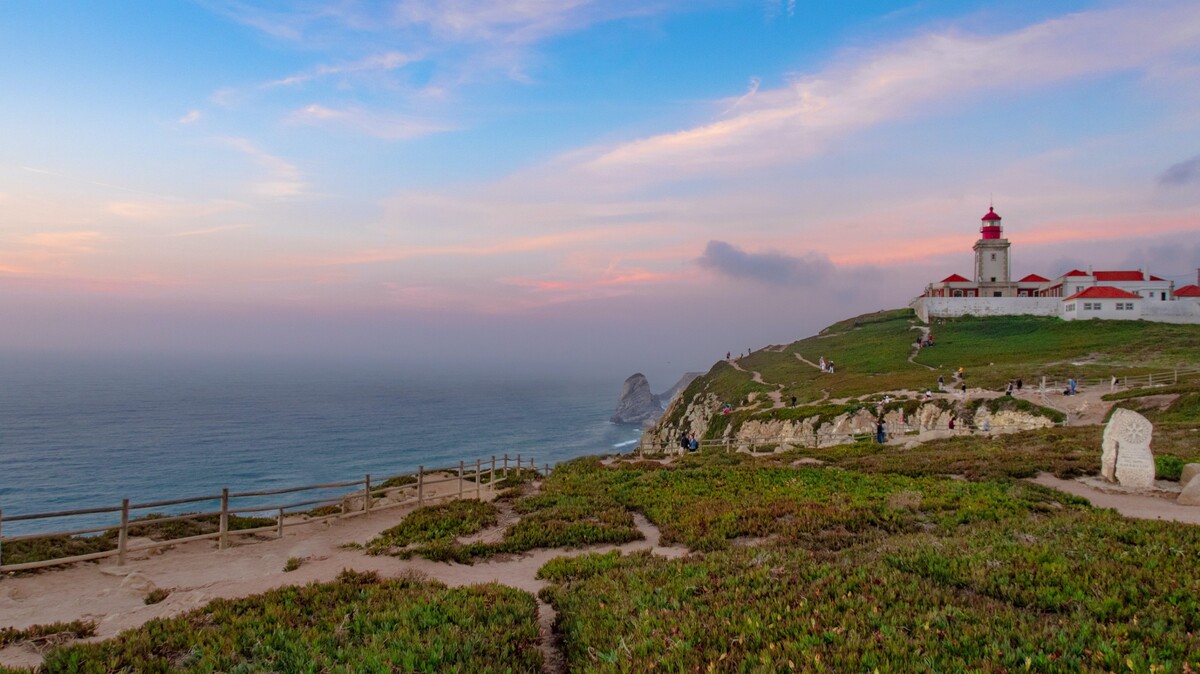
(990, 229)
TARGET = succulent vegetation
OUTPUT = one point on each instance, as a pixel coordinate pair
(358, 623)
(76, 629)
(856, 571)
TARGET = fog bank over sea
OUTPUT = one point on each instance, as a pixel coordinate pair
(88, 431)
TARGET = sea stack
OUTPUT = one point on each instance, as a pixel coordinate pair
(637, 405)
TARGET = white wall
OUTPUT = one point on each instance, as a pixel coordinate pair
(1179, 311)
(949, 307)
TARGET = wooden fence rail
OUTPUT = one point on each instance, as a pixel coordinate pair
(366, 490)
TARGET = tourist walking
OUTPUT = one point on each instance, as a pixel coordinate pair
(951, 424)
(694, 445)
(880, 432)
(1008, 391)
(1071, 385)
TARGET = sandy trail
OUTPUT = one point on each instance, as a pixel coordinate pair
(1157, 505)
(917, 347)
(197, 573)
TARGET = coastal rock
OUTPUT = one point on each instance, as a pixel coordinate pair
(1191, 494)
(637, 405)
(138, 582)
(1190, 470)
(1126, 457)
(667, 396)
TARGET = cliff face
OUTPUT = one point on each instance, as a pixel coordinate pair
(929, 421)
(637, 405)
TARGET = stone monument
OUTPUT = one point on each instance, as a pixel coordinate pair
(1126, 457)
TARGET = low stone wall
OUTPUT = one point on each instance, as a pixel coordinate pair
(953, 307)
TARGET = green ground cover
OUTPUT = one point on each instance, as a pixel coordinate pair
(858, 571)
(871, 354)
(358, 623)
(568, 512)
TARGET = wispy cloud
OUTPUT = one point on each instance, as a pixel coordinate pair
(384, 62)
(861, 90)
(1186, 171)
(391, 127)
(170, 210)
(190, 118)
(282, 178)
(211, 230)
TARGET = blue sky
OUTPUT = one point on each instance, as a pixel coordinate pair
(533, 180)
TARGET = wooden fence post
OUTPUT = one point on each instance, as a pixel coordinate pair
(279, 524)
(533, 465)
(546, 473)
(460, 480)
(506, 464)
(224, 530)
(123, 535)
(367, 498)
(478, 480)
(492, 473)
(420, 486)
(1, 537)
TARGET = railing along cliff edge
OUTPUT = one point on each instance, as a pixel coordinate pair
(471, 479)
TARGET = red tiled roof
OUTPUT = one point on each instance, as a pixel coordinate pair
(955, 278)
(1076, 272)
(1188, 291)
(991, 215)
(1033, 278)
(1122, 276)
(1103, 293)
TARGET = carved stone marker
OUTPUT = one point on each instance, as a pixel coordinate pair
(1126, 456)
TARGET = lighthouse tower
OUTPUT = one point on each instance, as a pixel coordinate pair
(992, 268)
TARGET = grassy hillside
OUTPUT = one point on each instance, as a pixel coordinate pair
(871, 354)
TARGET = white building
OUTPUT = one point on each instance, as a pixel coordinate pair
(1076, 294)
(1102, 302)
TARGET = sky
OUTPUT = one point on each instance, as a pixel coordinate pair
(606, 185)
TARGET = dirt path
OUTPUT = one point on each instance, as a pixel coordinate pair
(917, 347)
(1157, 505)
(776, 396)
(196, 573)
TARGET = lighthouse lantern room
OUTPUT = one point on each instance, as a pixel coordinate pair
(992, 265)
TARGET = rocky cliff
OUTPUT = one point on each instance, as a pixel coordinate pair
(637, 405)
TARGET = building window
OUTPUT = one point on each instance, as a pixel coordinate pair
(1120, 306)
(993, 279)
(957, 293)
(993, 256)
(1070, 307)
(997, 294)
(1091, 306)
(1129, 306)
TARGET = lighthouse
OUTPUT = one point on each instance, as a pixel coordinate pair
(992, 267)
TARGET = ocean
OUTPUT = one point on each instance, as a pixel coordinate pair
(88, 432)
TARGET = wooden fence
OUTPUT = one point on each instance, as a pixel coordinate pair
(471, 481)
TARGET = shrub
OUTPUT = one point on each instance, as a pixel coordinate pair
(292, 564)
(156, 595)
